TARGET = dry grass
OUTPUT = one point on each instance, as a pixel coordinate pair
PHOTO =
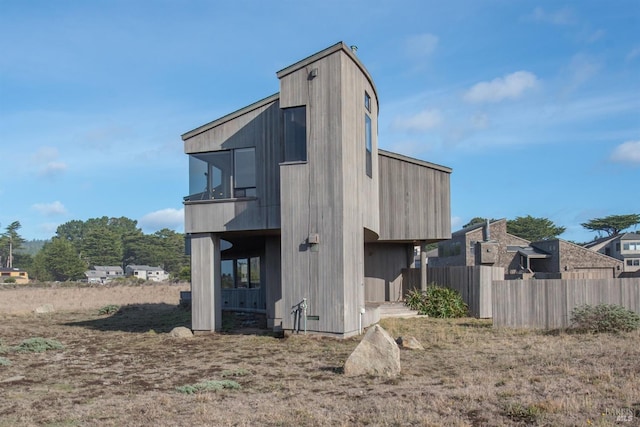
(123, 370)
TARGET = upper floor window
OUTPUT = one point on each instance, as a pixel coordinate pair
(367, 102)
(368, 145)
(222, 174)
(631, 246)
(295, 134)
(244, 164)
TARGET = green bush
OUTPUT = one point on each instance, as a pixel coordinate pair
(109, 309)
(10, 280)
(437, 301)
(38, 345)
(211, 385)
(4, 361)
(604, 318)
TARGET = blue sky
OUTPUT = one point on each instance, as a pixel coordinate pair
(534, 104)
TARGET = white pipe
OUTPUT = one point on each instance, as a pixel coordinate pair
(304, 313)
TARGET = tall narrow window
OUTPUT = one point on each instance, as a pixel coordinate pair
(367, 140)
(367, 102)
(244, 165)
(295, 134)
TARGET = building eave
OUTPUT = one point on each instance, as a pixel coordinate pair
(258, 104)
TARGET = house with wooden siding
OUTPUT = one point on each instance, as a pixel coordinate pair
(490, 244)
(293, 210)
(623, 246)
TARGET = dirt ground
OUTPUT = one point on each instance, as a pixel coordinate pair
(124, 369)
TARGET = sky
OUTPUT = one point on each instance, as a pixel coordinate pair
(535, 105)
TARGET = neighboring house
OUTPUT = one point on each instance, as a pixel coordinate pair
(20, 276)
(103, 274)
(145, 272)
(293, 210)
(625, 247)
(490, 244)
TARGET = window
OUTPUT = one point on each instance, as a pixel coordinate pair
(631, 246)
(244, 164)
(240, 273)
(222, 174)
(367, 102)
(295, 134)
(367, 142)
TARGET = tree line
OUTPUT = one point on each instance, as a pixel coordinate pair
(80, 245)
(534, 229)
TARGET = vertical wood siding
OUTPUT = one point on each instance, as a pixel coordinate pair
(206, 314)
(547, 304)
(415, 201)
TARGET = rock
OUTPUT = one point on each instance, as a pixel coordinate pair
(409, 343)
(181, 332)
(47, 308)
(377, 354)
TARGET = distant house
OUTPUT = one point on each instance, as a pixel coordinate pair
(145, 272)
(490, 244)
(625, 247)
(103, 274)
(20, 276)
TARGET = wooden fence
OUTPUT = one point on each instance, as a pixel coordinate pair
(473, 283)
(547, 304)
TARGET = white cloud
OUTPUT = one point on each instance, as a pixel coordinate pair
(46, 160)
(45, 154)
(510, 86)
(52, 169)
(163, 218)
(562, 16)
(635, 52)
(627, 152)
(420, 122)
(580, 70)
(50, 209)
(421, 45)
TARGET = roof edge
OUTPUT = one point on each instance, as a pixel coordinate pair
(413, 160)
(231, 116)
(340, 46)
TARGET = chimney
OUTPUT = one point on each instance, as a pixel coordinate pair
(487, 231)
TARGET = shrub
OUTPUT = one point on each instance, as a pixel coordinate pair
(211, 385)
(604, 318)
(38, 345)
(437, 301)
(10, 280)
(4, 361)
(109, 309)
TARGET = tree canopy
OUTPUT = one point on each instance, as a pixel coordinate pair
(477, 220)
(533, 229)
(612, 224)
(10, 243)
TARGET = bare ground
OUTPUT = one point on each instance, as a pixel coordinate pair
(124, 369)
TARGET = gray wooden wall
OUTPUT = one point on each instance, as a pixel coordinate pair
(547, 304)
(257, 125)
(415, 201)
(329, 195)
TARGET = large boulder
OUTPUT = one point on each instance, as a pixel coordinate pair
(43, 309)
(377, 354)
(181, 332)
